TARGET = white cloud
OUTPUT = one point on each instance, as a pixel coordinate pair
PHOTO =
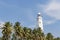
(1, 24)
(48, 22)
(53, 10)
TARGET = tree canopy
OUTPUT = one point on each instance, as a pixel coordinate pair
(17, 32)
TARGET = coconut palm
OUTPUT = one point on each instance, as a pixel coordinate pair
(6, 31)
(13, 37)
(43, 36)
(27, 33)
(57, 38)
(39, 34)
(49, 36)
(0, 38)
(18, 31)
(34, 33)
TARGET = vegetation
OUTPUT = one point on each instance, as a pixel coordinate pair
(17, 32)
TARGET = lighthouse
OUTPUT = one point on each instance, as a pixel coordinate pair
(39, 21)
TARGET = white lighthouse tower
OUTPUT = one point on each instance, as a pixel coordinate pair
(39, 21)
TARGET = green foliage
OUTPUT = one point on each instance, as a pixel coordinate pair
(0, 38)
(57, 38)
(23, 33)
(49, 36)
(7, 31)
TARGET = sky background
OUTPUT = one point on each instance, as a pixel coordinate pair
(25, 11)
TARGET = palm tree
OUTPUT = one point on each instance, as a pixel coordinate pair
(43, 36)
(26, 33)
(34, 33)
(6, 31)
(49, 36)
(18, 31)
(0, 38)
(39, 34)
(13, 37)
(57, 38)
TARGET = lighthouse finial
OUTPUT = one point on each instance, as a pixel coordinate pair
(39, 13)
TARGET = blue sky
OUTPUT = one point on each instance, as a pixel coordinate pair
(25, 11)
